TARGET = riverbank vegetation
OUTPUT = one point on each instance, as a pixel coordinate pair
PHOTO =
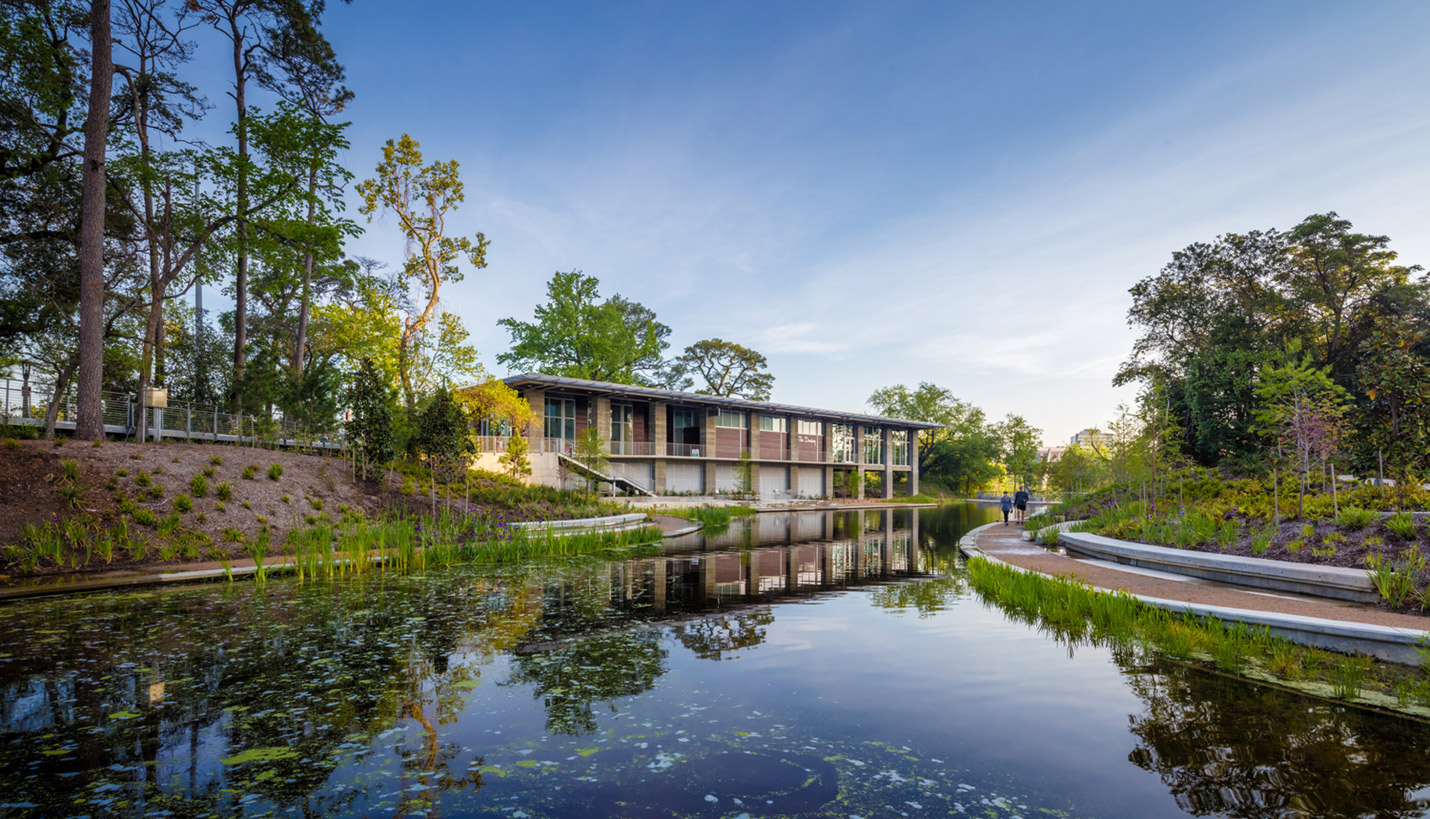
(1284, 411)
(1077, 615)
(126, 506)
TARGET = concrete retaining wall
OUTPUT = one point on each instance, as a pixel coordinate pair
(1274, 575)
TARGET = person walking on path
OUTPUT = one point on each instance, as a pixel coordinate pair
(1006, 504)
(1020, 500)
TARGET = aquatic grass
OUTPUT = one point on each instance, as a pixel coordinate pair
(713, 517)
(1076, 613)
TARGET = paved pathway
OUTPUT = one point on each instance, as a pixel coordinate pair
(1006, 543)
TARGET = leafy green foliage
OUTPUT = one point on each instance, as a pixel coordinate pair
(576, 336)
(444, 435)
(725, 368)
(369, 429)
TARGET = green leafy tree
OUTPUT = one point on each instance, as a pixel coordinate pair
(369, 429)
(726, 368)
(1020, 442)
(1301, 412)
(591, 452)
(421, 196)
(577, 336)
(1391, 421)
(515, 459)
(444, 435)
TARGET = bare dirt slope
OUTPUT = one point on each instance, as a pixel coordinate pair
(29, 477)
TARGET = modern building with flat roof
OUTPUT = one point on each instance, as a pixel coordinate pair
(663, 441)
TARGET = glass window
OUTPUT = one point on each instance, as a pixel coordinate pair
(769, 423)
(731, 418)
(808, 427)
(842, 441)
(561, 418)
(873, 445)
(899, 441)
(682, 418)
(622, 423)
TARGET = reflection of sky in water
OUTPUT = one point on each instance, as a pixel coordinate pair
(774, 681)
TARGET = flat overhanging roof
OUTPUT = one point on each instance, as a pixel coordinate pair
(608, 390)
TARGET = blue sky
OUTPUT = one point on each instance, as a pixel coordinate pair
(883, 192)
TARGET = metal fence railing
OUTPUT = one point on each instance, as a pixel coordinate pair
(27, 402)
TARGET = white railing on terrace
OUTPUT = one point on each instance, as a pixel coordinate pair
(648, 449)
(181, 419)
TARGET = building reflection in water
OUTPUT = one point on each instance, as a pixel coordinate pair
(780, 555)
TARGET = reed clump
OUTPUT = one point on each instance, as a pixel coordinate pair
(1078, 614)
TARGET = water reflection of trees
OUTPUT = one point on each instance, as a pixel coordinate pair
(1224, 747)
(143, 694)
(713, 638)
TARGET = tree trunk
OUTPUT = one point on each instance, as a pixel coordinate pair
(240, 302)
(52, 412)
(299, 349)
(89, 424)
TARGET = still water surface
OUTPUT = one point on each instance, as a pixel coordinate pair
(812, 664)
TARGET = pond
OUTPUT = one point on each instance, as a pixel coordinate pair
(800, 664)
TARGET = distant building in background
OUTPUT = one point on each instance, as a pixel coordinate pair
(1051, 454)
(1089, 437)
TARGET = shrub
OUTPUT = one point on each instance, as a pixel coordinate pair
(224, 491)
(121, 472)
(1355, 518)
(143, 478)
(287, 499)
(158, 470)
(216, 460)
(156, 491)
(249, 471)
(11, 443)
(169, 523)
(1402, 524)
(208, 472)
(183, 503)
(144, 517)
(408, 485)
(218, 506)
(275, 471)
(246, 506)
(316, 503)
(233, 535)
(199, 485)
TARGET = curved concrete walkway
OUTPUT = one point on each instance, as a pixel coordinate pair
(1301, 618)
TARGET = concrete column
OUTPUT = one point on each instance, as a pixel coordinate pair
(603, 421)
(658, 475)
(791, 568)
(658, 583)
(829, 481)
(888, 549)
(754, 436)
(826, 553)
(659, 427)
(707, 448)
(707, 434)
(913, 462)
(828, 454)
(754, 478)
(888, 463)
(794, 481)
(707, 575)
(859, 456)
(537, 430)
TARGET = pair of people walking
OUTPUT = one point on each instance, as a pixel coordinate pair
(1018, 501)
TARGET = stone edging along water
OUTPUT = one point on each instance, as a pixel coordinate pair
(1275, 575)
(1385, 642)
